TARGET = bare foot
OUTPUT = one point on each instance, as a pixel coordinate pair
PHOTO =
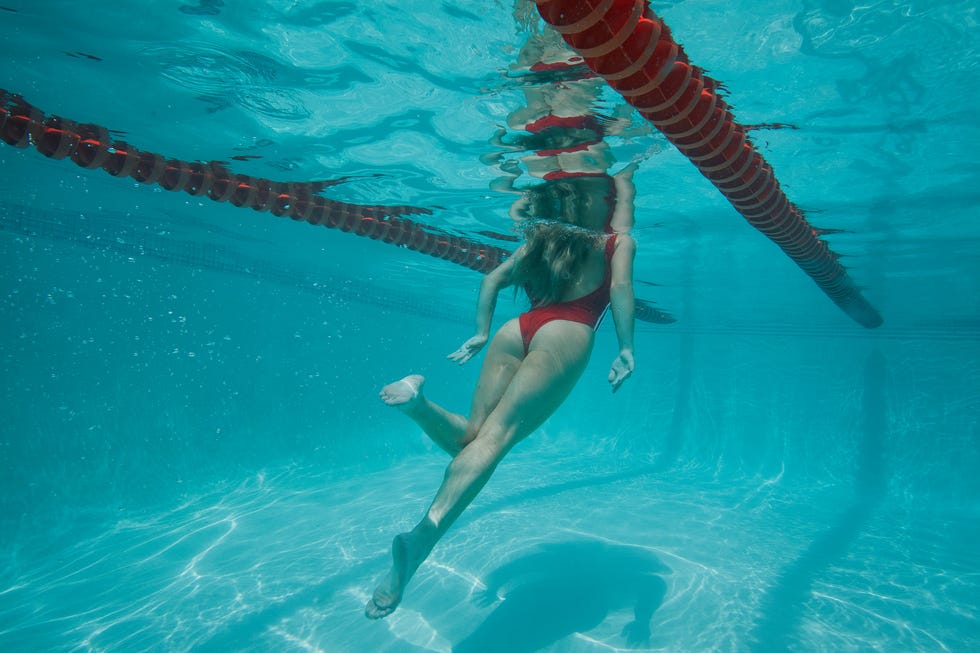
(403, 393)
(405, 559)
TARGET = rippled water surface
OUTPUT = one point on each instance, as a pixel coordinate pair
(192, 453)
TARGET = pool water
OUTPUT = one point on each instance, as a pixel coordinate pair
(194, 456)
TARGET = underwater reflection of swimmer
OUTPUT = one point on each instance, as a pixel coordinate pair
(558, 132)
(564, 588)
(599, 202)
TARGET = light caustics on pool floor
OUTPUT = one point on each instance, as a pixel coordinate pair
(280, 563)
(667, 550)
(661, 554)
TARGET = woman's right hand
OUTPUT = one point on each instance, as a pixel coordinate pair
(468, 349)
(622, 369)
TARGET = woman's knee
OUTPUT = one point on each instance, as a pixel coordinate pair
(472, 430)
(480, 455)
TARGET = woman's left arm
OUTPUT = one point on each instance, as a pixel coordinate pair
(486, 303)
(623, 308)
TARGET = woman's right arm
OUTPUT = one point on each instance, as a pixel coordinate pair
(623, 308)
(494, 281)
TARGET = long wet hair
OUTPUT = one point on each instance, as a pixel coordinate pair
(554, 255)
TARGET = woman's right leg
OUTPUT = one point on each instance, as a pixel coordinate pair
(547, 374)
(452, 431)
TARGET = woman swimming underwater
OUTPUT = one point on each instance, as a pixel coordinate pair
(570, 274)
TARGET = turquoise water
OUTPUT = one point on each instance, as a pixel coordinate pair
(193, 454)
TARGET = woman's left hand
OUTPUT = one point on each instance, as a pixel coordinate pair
(622, 369)
(468, 349)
